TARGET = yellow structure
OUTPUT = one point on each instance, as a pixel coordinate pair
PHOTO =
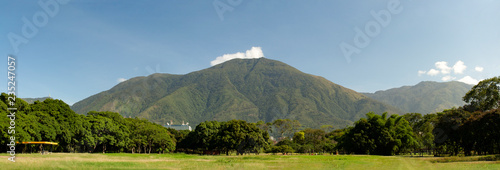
(39, 142)
(41, 145)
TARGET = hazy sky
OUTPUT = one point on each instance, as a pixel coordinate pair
(75, 49)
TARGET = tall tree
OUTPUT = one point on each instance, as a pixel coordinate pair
(484, 96)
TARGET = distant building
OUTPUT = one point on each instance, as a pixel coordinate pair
(178, 127)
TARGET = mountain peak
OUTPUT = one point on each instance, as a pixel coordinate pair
(247, 89)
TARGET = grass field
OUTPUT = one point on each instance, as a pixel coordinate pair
(184, 161)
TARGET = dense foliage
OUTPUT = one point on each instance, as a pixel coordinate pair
(53, 120)
(234, 135)
(379, 135)
(484, 96)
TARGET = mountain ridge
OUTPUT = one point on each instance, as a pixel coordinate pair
(248, 89)
(424, 97)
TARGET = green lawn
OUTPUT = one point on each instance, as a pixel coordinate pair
(184, 161)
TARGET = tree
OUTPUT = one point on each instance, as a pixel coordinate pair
(315, 137)
(107, 131)
(379, 135)
(446, 132)
(162, 140)
(206, 135)
(264, 126)
(481, 133)
(242, 136)
(422, 129)
(284, 149)
(71, 124)
(484, 96)
(286, 127)
(180, 136)
(299, 138)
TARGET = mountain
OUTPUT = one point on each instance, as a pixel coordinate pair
(248, 89)
(425, 97)
(32, 100)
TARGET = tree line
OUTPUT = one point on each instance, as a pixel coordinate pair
(473, 129)
(54, 121)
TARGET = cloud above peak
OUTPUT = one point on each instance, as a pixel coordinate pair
(119, 80)
(254, 52)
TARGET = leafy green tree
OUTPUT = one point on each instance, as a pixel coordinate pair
(422, 129)
(162, 140)
(265, 126)
(446, 132)
(242, 136)
(179, 136)
(299, 138)
(315, 137)
(286, 127)
(484, 96)
(206, 135)
(481, 133)
(107, 132)
(284, 149)
(71, 124)
(335, 137)
(379, 135)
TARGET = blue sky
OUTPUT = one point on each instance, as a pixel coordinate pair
(82, 48)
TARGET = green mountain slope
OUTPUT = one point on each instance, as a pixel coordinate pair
(425, 97)
(250, 89)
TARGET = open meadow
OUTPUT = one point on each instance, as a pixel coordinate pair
(185, 161)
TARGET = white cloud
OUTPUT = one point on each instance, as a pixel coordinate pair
(448, 78)
(433, 72)
(479, 69)
(254, 52)
(459, 67)
(119, 80)
(443, 66)
(469, 80)
(420, 72)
